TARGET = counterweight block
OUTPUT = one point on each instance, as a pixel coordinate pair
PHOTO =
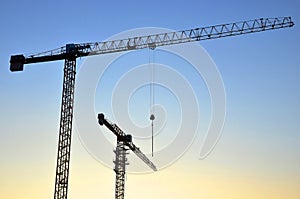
(17, 63)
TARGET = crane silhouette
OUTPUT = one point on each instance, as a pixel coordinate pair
(124, 143)
(70, 52)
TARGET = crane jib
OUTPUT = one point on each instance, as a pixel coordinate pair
(73, 51)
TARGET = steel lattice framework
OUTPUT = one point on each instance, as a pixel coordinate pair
(65, 130)
(70, 52)
(120, 134)
(120, 164)
(163, 39)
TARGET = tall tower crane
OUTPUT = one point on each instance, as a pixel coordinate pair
(71, 52)
(124, 141)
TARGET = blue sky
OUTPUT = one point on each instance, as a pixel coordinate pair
(259, 148)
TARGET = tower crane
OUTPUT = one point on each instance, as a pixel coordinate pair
(70, 52)
(124, 141)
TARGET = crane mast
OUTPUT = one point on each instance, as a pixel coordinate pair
(124, 143)
(65, 130)
(71, 52)
(120, 164)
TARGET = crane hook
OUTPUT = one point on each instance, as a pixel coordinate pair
(152, 117)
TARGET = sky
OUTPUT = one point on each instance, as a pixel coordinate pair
(258, 153)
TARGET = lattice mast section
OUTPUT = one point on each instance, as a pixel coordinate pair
(65, 131)
(120, 169)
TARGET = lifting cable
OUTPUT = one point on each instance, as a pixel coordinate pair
(152, 93)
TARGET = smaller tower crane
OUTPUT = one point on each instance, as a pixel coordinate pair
(124, 143)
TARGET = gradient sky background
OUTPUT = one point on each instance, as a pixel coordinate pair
(258, 155)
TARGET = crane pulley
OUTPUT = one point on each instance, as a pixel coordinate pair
(71, 52)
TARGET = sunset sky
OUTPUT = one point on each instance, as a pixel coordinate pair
(258, 153)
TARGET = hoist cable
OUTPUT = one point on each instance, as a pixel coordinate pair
(152, 96)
